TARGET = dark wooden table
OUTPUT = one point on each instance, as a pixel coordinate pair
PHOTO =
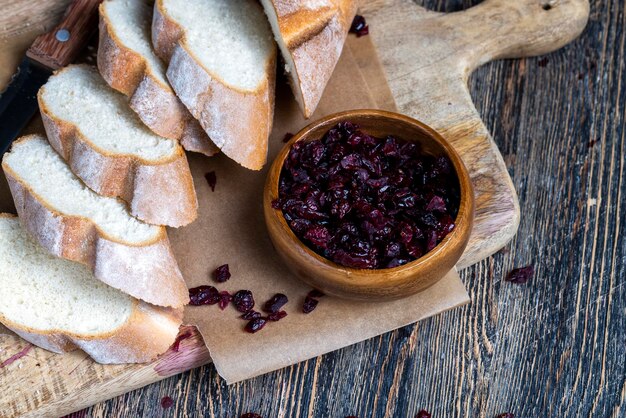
(554, 347)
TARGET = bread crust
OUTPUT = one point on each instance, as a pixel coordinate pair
(148, 332)
(313, 41)
(159, 192)
(146, 271)
(155, 103)
(239, 122)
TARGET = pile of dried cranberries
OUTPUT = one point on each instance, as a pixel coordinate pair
(367, 202)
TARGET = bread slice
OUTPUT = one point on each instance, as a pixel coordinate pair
(311, 35)
(222, 65)
(59, 306)
(71, 221)
(128, 64)
(111, 150)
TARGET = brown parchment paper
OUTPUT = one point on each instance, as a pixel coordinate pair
(230, 229)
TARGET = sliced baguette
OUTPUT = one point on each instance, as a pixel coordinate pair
(72, 222)
(222, 65)
(311, 35)
(58, 305)
(129, 65)
(91, 126)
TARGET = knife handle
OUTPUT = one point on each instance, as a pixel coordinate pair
(61, 45)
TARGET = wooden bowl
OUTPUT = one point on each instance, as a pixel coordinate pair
(379, 284)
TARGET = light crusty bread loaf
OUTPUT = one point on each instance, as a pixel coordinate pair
(112, 151)
(58, 305)
(71, 221)
(128, 64)
(311, 35)
(222, 65)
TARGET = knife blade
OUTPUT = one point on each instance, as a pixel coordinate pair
(18, 103)
(49, 52)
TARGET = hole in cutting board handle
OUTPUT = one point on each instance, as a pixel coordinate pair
(547, 7)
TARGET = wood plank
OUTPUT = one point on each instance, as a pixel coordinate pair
(551, 348)
(401, 364)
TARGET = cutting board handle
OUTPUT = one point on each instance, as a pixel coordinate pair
(61, 45)
(447, 48)
(496, 29)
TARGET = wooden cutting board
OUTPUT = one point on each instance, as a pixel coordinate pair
(428, 58)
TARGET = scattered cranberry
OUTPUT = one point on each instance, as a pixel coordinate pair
(250, 315)
(211, 178)
(315, 294)
(275, 303)
(179, 338)
(423, 414)
(287, 137)
(359, 26)
(506, 415)
(309, 305)
(225, 299)
(222, 273)
(276, 316)
(521, 275)
(167, 402)
(203, 295)
(250, 415)
(366, 202)
(255, 325)
(243, 301)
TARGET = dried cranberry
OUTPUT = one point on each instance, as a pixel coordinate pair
(203, 295)
(243, 300)
(432, 239)
(222, 273)
(359, 26)
(276, 316)
(436, 204)
(275, 303)
(211, 178)
(250, 415)
(255, 325)
(309, 305)
(287, 137)
(167, 402)
(318, 235)
(423, 414)
(366, 202)
(225, 299)
(521, 275)
(250, 315)
(506, 415)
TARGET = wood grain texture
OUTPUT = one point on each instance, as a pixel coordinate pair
(431, 84)
(78, 24)
(554, 347)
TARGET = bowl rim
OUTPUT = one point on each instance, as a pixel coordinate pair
(463, 220)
